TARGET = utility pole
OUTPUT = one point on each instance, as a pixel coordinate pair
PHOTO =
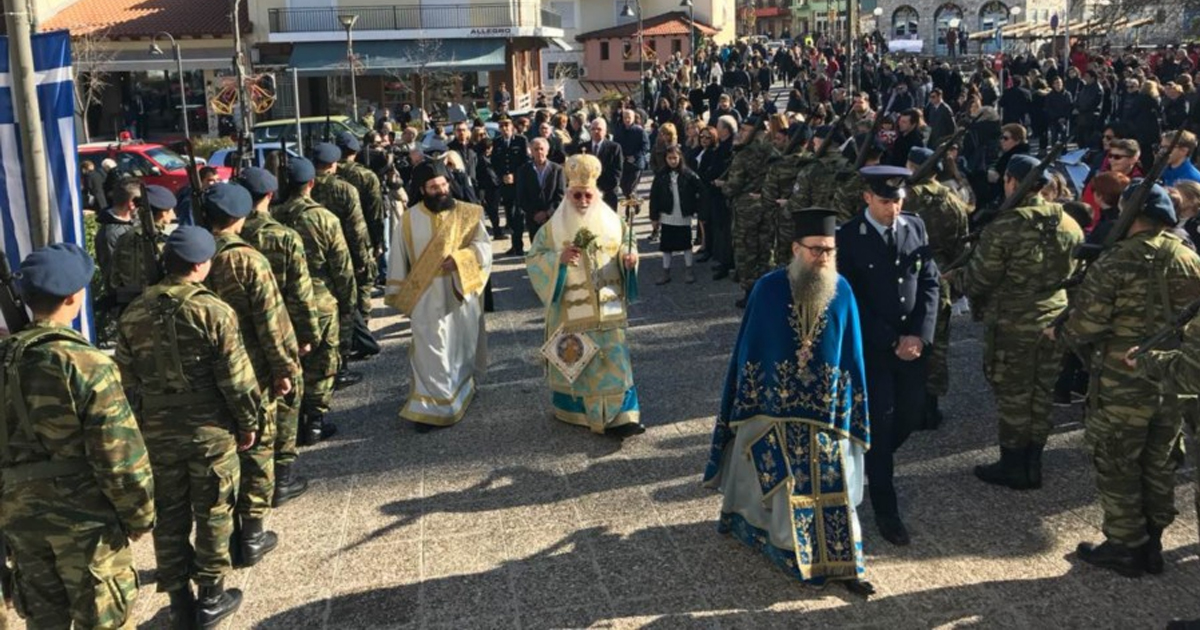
(33, 144)
(247, 140)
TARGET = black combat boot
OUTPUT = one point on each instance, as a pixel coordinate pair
(1009, 471)
(1152, 551)
(287, 485)
(1109, 555)
(235, 544)
(345, 378)
(183, 608)
(215, 604)
(256, 542)
(1033, 465)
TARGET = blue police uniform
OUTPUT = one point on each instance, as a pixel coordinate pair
(895, 282)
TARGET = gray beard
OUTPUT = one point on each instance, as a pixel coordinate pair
(812, 288)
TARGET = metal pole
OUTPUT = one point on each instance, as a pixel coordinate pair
(353, 82)
(641, 59)
(243, 96)
(296, 108)
(187, 132)
(33, 145)
(692, 24)
(1066, 42)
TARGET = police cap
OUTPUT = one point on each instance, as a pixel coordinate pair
(886, 181)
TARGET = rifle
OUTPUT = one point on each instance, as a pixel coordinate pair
(1025, 187)
(824, 148)
(860, 158)
(1131, 208)
(12, 307)
(931, 165)
(193, 174)
(147, 242)
(1162, 336)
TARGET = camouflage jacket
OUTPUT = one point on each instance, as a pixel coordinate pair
(814, 185)
(1176, 371)
(129, 273)
(748, 170)
(370, 195)
(285, 251)
(325, 249)
(179, 341)
(781, 179)
(341, 199)
(242, 277)
(849, 187)
(1020, 263)
(1131, 291)
(76, 411)
(945, 217)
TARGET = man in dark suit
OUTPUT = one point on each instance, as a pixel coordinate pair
(635, 146)
(884, 254)
(510, 151)
(940, 118)
(462, 145)
(612, 160)
(541, 186)
(909, 125)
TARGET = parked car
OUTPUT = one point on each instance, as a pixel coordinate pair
(153, 163)
(314, 130)
(222, 157)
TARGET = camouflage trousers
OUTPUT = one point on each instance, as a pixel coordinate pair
(1134, 436)
(321, 366)
(73, 564)
(784, 230)
(195, 483)
(1191, 419)
(753, 241)
(939, 358)
(257, 488)
(365, 281)
(1022, 366)
(287, 423)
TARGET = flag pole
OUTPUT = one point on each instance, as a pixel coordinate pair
(33, 145)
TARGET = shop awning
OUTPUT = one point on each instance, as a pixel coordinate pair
(377, 57)
(142, 60)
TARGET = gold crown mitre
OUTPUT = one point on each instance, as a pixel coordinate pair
(582, 171)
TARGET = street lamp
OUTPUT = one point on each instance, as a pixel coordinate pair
(348, 21)
(628, 11)
(157, 51)
(691, 6)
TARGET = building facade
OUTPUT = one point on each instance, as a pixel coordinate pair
(928, 21)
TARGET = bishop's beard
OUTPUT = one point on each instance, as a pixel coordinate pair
(813, 288)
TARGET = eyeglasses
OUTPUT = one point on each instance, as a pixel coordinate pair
(580, 195)
(1118, 156)
(819, 252)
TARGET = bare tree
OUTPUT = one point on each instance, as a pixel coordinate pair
(1173, 21)
(425, 59)
(90, 58)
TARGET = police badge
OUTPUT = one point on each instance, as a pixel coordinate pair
(569, 352)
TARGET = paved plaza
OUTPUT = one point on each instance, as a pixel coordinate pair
(514, 520)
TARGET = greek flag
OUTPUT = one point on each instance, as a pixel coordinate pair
(56, 89)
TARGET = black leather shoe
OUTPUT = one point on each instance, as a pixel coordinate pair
(287, 485)
(514, 252)
(626, 430)
(345, 378)
(215, 604)
(1152, 551)
(859, 587)
(183, 609)
(1108, 555)
(893, 530)
(256, 542)
(1009, 472)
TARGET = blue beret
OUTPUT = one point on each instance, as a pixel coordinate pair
(301, 170)
(326, 153)
(191, 244)
(1158, 202)
(435, 146)
(230, 200)
(886, 181)
(259, 181)
(160, 198)
(918, 155)
(60, 270)
(1020, 165)
(346, 140)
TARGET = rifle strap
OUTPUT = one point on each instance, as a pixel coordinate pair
(12, 351)
(167, 359)
(1160, 296)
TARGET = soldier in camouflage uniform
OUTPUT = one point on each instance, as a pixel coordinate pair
(849, 186)
(284, 249)
(814, 186)
(753, 232)
(181, 351)
(1132, 429)
(243, 278)
(1018, 268)
(777, 189)
(131, 271)
(334, 292)
(370, 195)
(77, 484)
(946, 224)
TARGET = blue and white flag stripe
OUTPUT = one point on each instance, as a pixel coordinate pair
(56, 101)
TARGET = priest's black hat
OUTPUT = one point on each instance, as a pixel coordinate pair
(814, 222)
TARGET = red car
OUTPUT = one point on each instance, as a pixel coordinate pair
(153, 163)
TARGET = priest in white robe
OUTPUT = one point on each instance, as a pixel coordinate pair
(583, 265)
(438, 264)
(789, 440)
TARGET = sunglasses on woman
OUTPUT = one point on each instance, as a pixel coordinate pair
(1118, 156)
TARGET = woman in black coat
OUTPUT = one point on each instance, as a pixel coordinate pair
(674, 199)
(1145, 116)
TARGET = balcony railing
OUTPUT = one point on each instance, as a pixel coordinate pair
(413, 17)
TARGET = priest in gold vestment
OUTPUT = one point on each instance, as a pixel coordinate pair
(440, 259)
(583, 266)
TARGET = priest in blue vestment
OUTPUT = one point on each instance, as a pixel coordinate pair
(788, 445)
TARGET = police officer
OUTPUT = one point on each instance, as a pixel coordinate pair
(77, 484)
(243, 278)
(132, 269)
(510, 151)
(884, 254)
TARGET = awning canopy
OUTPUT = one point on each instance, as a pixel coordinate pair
(378, 57)
(142, 60)
(1078, 28)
